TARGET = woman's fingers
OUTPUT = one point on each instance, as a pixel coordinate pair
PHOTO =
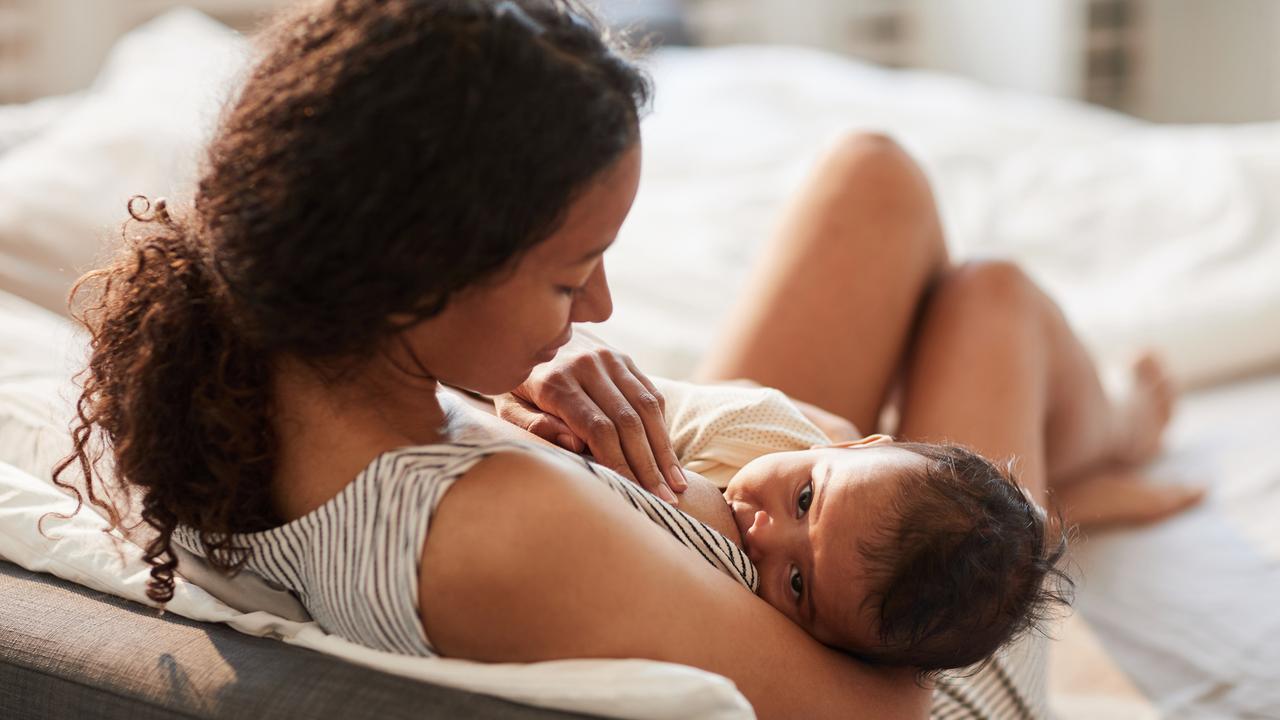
(603, 399)
(519, 412)
(620, 433)
(648, 384)
(653, 409)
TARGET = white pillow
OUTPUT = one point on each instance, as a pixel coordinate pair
(40, 352)
(21, 122)
(138, 130)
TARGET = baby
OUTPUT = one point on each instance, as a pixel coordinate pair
(899, 553)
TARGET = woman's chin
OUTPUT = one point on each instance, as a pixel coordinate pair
(497, 385)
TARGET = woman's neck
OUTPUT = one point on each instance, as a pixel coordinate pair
(328, 432)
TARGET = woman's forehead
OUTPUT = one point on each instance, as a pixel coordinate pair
(595, 215)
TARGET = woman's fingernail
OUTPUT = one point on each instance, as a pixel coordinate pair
(564, 441)
(678, 480)
(665, 493)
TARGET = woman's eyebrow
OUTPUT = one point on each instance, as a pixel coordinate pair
(593, 254)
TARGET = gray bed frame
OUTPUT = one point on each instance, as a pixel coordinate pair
(70, 652)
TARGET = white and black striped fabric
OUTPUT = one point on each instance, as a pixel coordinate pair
(353, 561)
(1011, 686)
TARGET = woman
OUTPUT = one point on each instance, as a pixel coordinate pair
(407, 195)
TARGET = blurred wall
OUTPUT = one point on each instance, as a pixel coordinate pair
(1170, 60)
(1209, 60)
(1031, 45)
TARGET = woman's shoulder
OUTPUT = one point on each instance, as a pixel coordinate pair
(443, 456)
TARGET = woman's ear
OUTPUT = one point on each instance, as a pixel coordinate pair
(875, 439)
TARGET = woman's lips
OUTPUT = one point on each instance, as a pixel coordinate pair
(549, 351)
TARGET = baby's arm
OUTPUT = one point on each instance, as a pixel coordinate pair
(833, 426)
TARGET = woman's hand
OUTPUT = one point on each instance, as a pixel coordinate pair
(593, 395)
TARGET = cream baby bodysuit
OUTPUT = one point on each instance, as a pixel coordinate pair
(716, 429)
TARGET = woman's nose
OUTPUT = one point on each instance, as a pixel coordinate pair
(594, 303)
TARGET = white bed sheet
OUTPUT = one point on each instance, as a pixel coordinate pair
(1190, 608)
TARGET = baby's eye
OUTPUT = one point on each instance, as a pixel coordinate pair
(806, 499)
(570, 291)
(797, 582)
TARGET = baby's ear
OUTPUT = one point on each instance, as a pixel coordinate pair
(876, 439)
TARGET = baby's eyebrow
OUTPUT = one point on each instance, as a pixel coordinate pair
(819, 494)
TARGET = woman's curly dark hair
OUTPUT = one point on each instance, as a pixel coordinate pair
(380, 156)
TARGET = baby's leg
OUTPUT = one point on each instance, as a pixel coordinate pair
(828, 312)
(996, 367)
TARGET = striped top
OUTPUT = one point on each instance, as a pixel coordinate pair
(353, 561)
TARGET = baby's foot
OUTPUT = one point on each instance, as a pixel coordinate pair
(1143, 411)
(1122, 496)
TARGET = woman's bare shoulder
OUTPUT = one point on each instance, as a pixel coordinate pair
(530, 558)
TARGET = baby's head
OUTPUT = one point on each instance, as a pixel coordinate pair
(899, 553)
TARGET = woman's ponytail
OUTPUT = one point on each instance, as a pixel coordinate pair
(178, 393)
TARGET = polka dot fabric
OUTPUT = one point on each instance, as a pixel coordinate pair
(716, 429)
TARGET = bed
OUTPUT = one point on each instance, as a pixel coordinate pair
(1164, 236)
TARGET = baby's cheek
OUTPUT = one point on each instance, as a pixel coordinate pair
(854, 632)
(780, 607)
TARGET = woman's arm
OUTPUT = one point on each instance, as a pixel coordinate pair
(530, 558)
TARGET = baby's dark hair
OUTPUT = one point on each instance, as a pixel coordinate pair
(967, 565)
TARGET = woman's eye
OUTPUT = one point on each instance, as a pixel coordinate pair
(797, 582)
(806, 498)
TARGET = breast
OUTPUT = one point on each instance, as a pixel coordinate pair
(704, 501)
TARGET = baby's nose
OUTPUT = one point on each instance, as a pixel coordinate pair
(759, 536)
